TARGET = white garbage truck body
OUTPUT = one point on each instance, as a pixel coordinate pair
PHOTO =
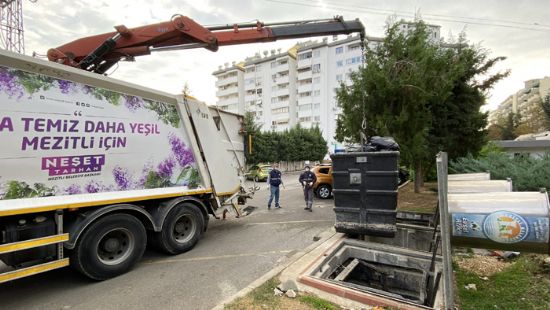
(81, 152)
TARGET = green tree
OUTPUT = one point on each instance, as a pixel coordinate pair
(545, 105)
(425, 94)
(295, 144)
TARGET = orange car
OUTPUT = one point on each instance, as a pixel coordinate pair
(323, 187)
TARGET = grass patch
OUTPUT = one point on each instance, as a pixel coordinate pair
(260, 298)
(523, 285)
(264, 298)
(317, 303)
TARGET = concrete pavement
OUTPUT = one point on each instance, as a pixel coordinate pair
(231, 255)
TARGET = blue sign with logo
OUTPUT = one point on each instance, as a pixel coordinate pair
(501, 226)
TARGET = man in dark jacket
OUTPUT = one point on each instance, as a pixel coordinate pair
(274, 180)
(307, 179)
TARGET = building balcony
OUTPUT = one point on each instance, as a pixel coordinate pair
(282, 68)
(303, 63)
(304, 100)
(280, 117)
(227, 101)
(252, 97)
(304, 75)
(282, 92)
(305, 88)
(282, 79)
(280, 104)
(305, 113)
(250, 86)
(228, 91)
(226, 81)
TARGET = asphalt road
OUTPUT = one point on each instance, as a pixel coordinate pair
(231, 255)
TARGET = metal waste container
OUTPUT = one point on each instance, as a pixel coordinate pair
(365, 192)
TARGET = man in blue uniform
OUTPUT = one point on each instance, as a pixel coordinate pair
(307, 179)
(274, 180)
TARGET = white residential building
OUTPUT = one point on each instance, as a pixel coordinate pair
(283, 89)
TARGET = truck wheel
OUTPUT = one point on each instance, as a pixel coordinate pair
(181, 230)
(324, 191)
(110, 247)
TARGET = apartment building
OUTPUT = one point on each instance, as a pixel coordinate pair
(523, 101)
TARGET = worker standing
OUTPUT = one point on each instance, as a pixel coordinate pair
(274, 180)
(307, 179)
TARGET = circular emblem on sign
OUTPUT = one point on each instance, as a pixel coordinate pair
(505, 227)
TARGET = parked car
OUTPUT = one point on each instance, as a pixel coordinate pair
(323, 187)
(258, 172)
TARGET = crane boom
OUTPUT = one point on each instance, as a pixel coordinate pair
(100, 52)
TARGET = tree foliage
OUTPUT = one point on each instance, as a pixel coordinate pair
(296, 144)
(425, 94)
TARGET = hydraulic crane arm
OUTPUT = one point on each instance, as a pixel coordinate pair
(100, 52)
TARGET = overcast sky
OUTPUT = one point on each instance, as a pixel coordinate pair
(523, 34)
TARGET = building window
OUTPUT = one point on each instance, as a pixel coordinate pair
(279, 110)
(273, 64)
(353, 47)
(316, 93)
(316, 68)
(304, 107)
(338, 77)
(259, 68)
(339, 50)
(316, 106)
(305, 119)
(316, 53)
(304, 56)
(340, 63)
(348, 61)
(317, 118)
(317, 80)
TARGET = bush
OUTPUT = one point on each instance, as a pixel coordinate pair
(296, 144)
(527, 173)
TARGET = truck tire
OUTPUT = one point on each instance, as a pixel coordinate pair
(109, 247)
(324, 191)
(181, 230)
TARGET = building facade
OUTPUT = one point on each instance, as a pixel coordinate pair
(524, 101)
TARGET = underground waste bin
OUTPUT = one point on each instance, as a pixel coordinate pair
(365, 192)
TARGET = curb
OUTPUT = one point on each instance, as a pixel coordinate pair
(324, 236)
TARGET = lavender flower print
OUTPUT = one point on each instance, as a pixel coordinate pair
(122, 178)
(93, 187)
(166, 168)
(144, 173)
(9, 84)
(184, 155)
(64, 86)
(132, 102)
(73, 189)
(87, 89)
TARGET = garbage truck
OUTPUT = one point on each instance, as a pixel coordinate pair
(94, 169)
